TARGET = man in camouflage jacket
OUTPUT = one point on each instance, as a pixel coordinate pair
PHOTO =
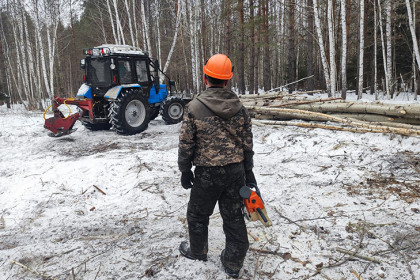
(216, 138)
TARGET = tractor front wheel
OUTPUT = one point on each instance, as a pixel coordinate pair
(129, 114)
(172, 110)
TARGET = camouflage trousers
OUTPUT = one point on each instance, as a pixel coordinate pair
(218, 184)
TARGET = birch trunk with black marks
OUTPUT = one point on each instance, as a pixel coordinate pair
(343, 50)
(322, 48)
(361, 48)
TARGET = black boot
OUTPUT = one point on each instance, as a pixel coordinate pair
(186, 252)
(232, 273)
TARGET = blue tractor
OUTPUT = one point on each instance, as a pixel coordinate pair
(121, 91)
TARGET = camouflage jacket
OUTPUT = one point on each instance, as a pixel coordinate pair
(216, 131)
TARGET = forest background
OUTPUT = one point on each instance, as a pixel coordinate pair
(333, 45)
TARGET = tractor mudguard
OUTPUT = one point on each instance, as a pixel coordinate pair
(84, 91)
(114, 92)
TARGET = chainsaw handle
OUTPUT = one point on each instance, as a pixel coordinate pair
(262, 215)
(252, 185)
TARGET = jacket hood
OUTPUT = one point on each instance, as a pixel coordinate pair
(221, 101)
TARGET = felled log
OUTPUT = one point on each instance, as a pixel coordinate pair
(264, 95)
(310, 92)
(391, 121)
(290, 104)
(405, 111)
(308, 115)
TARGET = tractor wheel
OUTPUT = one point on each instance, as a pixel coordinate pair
(172, 110)
(154, 113)
(129, 114)
(96, 126)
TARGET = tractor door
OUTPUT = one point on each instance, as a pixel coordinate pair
(98, 72)
(143, 73)
(125, 71)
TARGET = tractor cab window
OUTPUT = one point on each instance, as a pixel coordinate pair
(141, 69)
(124, 71)
(98, 72)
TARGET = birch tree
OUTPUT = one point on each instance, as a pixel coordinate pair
(333, 67)
(111, 17)
(265, 32)
(361, 48)
(145, 29)
(241, 47)
(156, 16)
(387, 80)
(251, 47)
(120, 32)
(177, 24)
(322, 48)
(291, 55)
(413, 33)
(375, 51)
(194, 45)
(388, 47)
(310, 43)
(130, 22)
(343, 50)
(136, 36)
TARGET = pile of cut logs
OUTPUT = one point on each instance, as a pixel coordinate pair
(281, 108)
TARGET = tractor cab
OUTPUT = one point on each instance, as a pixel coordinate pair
(108, 66)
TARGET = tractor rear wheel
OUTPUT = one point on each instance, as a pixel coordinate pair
(172, 110)
(129, 114)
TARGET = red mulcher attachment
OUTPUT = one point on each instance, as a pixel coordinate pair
(59, 125)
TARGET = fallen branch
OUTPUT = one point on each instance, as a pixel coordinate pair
(253, 236)
(402, 255)
(291, 221)
(84, 191)
(146, 188)
(314, 125)
(32, 270)
(359, 277)
(256, 262)
(101, 191)
(266, 252)
(86, 261)
(288, 256)
(297, 81)
(99, 269)
(354, 254)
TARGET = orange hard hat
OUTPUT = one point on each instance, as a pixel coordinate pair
(219, 67)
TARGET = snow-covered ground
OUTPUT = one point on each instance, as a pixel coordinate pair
(323, 189)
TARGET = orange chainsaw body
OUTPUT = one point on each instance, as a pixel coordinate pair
(254, 206)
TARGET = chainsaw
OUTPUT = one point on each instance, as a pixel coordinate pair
(254, 209)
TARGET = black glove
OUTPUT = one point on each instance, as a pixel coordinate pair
(250, 178)
(187, 179)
